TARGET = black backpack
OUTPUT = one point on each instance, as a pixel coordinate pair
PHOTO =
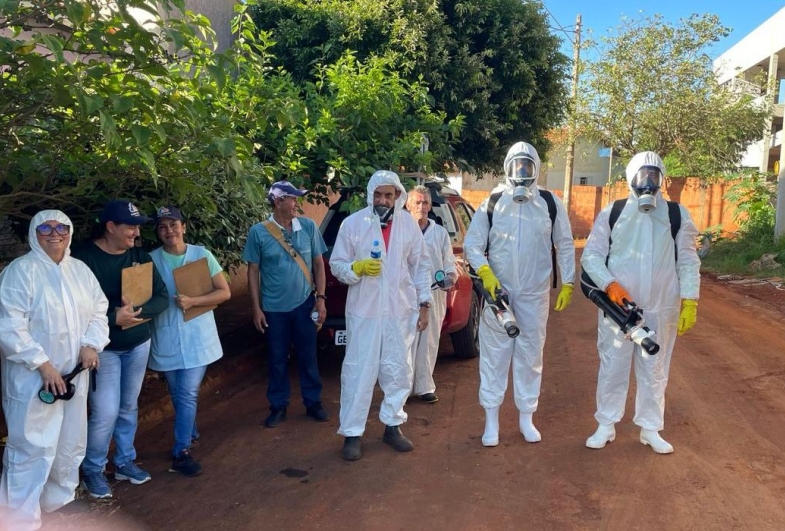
(548, 197)
(674, 216)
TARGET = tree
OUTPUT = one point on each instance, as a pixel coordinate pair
(111, 100)
(494, 62)
(653, 88)
(352, 119)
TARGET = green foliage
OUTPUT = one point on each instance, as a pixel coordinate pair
(495, 62)
(755, 198)
(654, 88)
(352, 119)
(735, 255)
(97, 105)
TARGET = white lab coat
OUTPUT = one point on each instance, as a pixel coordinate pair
(381, 311)
(642, 260)
(426, 343)
(519, 254)
(47, 312)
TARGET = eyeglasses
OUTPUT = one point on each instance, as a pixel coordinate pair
(46, 230)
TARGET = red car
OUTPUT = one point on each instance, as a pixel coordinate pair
(463, 303)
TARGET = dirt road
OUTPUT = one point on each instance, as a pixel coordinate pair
(725, 417)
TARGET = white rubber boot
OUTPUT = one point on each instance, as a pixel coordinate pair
(530, 433)
(657, 443)
(605, 433)
(491, 435)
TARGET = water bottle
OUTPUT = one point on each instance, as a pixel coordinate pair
(376, 250)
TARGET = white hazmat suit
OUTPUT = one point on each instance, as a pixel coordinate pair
(381, 311)
(519, 254)
(643, 261)
(426, 344)
(48, 311)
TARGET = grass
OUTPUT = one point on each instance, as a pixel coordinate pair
(734, 256)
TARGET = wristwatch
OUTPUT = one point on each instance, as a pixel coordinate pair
(320, 296)
(425, 305)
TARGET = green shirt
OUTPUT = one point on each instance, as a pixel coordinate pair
(107, 269)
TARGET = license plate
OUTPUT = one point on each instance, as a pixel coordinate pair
(340, 337)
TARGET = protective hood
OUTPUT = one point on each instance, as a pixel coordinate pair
(384, 178)
(521, 149)
(646, 158)
(38, 219)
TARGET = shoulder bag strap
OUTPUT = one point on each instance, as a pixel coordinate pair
(275, 232)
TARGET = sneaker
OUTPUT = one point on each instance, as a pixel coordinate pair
(96, 486)
(429, 398)
(132, 473)
(186, 465)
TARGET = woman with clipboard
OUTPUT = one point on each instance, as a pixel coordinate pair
(136, 294)
(185, 338)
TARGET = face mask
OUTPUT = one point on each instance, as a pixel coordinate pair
(384, 214)
(647, 202)
(521, 175)
(521, 194)
(645, 183)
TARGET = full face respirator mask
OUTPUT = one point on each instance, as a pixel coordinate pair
(521, 175)
(48, 397)
(384, 213)
(645, 184)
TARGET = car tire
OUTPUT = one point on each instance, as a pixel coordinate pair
(466, 341)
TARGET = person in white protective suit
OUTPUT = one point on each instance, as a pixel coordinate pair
(426, 343)
(382, 313)
(52, 317)
(642, 267)
(518, 260)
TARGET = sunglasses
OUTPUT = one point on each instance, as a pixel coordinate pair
(46, 230)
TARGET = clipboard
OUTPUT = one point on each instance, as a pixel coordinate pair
(193, 279)
(137, 286)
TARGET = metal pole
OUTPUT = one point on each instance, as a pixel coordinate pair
(576, 53)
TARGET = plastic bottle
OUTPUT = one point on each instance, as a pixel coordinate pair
(376, 250)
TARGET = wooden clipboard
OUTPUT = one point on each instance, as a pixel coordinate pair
(194, 280)
(137, 286)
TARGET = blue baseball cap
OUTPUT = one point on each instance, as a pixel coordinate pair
(284, 189)
(171, 212)
(122, 211)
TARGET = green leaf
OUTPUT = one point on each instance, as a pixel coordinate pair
(141, 134)
(225, 146)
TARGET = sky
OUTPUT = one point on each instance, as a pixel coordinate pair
(601, 16)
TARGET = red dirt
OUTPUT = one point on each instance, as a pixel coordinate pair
(725, 416)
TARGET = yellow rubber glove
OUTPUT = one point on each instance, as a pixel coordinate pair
(565, 297)
(617, 294)
(370, 267)
(489, 280)
(688, 315)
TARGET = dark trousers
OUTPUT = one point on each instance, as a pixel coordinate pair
(285, 328)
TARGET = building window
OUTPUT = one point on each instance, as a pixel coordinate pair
(584, 180)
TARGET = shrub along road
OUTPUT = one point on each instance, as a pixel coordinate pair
(725, 416)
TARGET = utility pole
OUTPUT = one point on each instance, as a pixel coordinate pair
(576, 55)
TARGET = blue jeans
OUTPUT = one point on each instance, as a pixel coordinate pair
(184, 389)
(114, 408)
(283, 329)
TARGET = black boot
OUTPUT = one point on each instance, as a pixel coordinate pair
(351, 449)
(396, 439)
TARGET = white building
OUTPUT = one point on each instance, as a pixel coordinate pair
(760, 54)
